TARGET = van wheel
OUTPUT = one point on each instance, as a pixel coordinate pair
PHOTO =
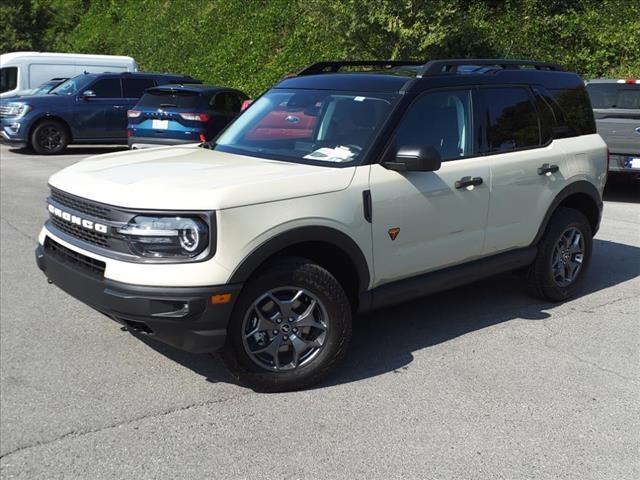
(564, 254)
(49, 137)
(290, 328)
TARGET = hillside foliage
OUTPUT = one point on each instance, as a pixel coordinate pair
(250, 44)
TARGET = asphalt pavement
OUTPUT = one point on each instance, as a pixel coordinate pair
(481, 382)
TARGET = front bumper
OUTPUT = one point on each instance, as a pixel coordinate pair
(12, 133)
(183, 317)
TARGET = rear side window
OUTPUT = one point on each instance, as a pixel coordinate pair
(511, 119)
(107, 88)
(442, 120)
(169, 99)
(8, 79)
(135, 87)
(576, 107)
(614, 95)
(227, 102)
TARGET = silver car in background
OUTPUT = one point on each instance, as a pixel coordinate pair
(616, 106)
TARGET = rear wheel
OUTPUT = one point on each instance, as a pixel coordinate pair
(290, 328)
(49, 137)
(564, 254)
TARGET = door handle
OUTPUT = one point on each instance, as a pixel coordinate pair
(468, 182)
(546, 168)
(119, 107)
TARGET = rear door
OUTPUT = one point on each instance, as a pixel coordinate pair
(517, 144)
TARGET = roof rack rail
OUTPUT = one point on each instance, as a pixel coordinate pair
(436, 67)
(334, 66)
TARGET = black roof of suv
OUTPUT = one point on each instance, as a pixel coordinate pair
(410, 76)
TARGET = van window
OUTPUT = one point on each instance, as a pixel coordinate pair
(107, 88)
(576, 107)
(442, 120)
(8, 79)
(511, 118)
(135, 87)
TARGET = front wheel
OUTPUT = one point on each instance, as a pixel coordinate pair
(49, 138)
(290, 327)
(564, 254)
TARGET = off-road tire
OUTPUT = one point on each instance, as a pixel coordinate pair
(302, 273)
(540, 275)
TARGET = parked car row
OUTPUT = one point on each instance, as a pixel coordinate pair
(131, 108)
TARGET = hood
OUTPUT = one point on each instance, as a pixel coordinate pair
(192, 178)
(37, 100)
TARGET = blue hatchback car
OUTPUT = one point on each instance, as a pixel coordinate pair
(88, 108)
(174, 114)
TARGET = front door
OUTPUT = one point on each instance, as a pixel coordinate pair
(423, 221)
(97, 116)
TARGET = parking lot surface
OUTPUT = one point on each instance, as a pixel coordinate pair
(479, 382)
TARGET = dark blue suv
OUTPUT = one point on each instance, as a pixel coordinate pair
(89, 108)
(174, 114)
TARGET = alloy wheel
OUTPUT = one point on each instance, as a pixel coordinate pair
(285, 328)
(568, 256)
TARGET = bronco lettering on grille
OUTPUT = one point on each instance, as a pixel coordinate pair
(83, 222)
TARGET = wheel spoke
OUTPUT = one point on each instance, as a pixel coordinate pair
(262, 324)
(576, 243)
(298, 348)
(272, 349)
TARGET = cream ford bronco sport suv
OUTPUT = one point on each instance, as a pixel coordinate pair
(333, 194)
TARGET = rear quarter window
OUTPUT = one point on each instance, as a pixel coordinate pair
(576, 108)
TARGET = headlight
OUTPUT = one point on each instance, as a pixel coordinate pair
(15, 109)
(166, 237)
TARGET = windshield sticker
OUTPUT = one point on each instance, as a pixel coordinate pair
(338, 154)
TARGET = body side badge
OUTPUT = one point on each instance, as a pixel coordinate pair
(393, 233)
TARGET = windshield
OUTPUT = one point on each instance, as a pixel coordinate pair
(614, 95)
(43, 89)
(308, 126)
(71, 86)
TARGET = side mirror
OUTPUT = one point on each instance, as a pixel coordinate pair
(415, 158)
(88, 94)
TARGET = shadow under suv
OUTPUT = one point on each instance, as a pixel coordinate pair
(89, 108)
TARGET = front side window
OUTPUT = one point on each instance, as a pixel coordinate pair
(308, 126)
(8, 79)
(511, 119)
(442, 120)
(107, 88)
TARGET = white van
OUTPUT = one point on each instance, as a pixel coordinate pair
(22, 71)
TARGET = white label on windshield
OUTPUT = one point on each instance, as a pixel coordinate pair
(359, 99)
(338, 154)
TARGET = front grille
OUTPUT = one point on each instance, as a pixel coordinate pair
(4, 109)
(90, 236)
(88, 264)
(81, 205)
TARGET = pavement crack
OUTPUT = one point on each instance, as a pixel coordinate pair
(124, 423)
(553, 333)
(24, 234)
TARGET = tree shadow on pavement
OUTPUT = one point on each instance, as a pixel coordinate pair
(384, 341)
